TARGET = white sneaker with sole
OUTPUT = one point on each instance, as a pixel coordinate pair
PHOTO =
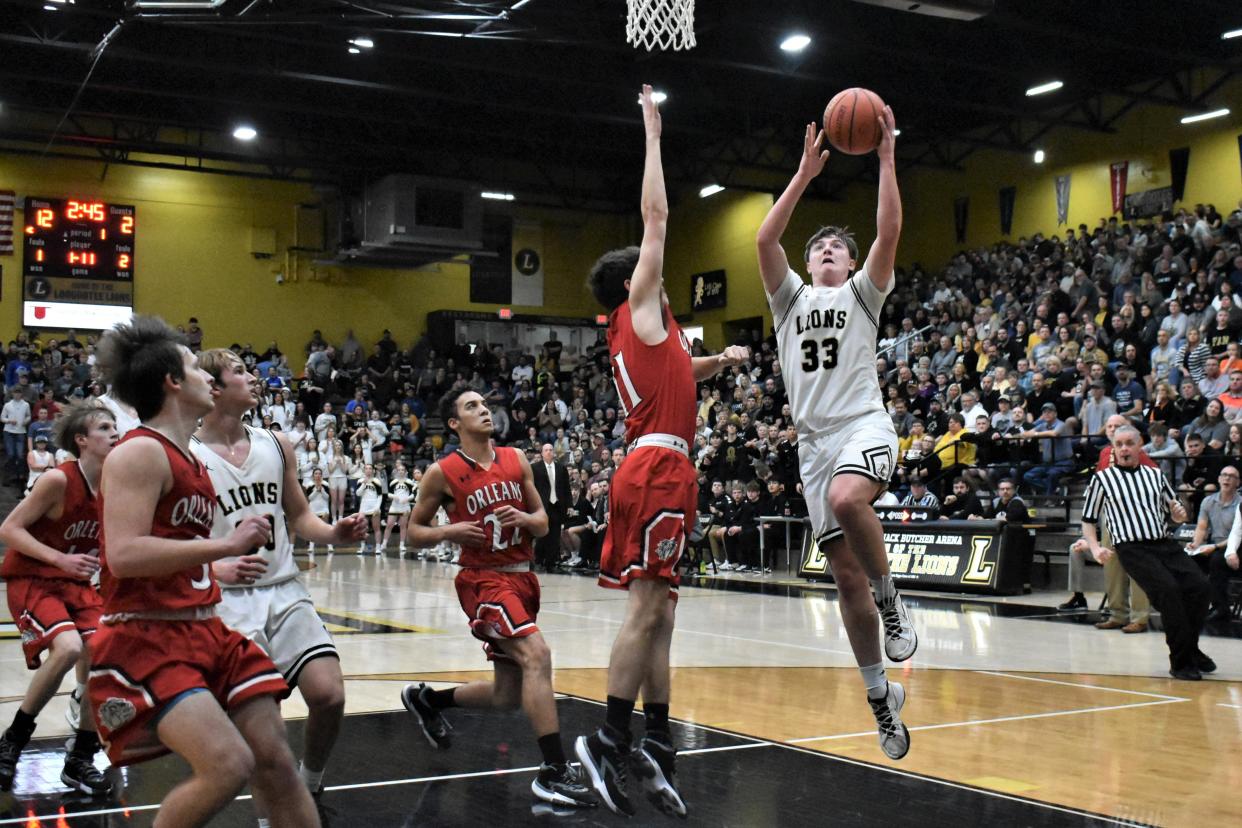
(894, 736)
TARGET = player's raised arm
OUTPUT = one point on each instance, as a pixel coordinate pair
(883, 253)
(773, 264)
(646, 306)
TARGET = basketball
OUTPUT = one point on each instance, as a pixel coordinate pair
(852, 121)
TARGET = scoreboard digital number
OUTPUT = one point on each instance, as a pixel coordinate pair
(78, 263)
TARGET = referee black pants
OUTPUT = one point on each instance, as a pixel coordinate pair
(1176, 588)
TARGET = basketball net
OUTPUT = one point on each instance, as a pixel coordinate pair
(660, 24)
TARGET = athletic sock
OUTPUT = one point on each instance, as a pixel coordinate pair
(263, 823)
(23, 725)
(442, 699)
(656, 719)
(619, 712)
(313, 779)
(883, 588)
(80, 691)
(874, 680)
(552, 749)
(85, 743)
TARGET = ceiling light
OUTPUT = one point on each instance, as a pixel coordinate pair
(1231, 34)
(245, 132)
(1039, 156)
(1050, 86)
(363, 42)
(498, 196)
(795, 43)
(50, 7)
(710, 190)
(354, 50)
(896, 132)
(658, 97)
(518, 5)
(1204, 116)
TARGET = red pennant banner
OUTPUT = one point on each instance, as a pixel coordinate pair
(1117, 181)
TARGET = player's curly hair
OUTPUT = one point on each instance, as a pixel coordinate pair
(135, 357)
(830, 231)
(75, 420)
(606, 280)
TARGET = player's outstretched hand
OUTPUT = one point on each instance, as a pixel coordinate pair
(814, 156)
(734, 355)
(78, 565)
(254, 531)
(350, 530)
(240, 571)
(651, 114)
(888, 138)
(465, 534)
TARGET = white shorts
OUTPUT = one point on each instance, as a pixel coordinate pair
(282, 620)
(867, 446)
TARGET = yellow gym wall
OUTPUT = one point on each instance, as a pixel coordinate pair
(193, 259)
(1143, 138)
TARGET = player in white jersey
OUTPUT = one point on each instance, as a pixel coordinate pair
(826, 337)
(400, 495)
(254, 473)
(124, 415)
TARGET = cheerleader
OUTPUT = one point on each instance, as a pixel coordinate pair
(370, 498)
(320, 501)
(308, 462)
(338, 481)
(401, 492)
(39, 460)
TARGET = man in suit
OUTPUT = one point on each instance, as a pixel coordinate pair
(552, 483)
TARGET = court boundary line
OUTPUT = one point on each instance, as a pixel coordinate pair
(1024, 677)
(750, 743)
(897, 771)
(1023, 717)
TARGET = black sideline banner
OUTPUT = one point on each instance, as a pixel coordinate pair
(943, 555)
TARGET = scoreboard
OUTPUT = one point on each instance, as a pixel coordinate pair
(78, 263)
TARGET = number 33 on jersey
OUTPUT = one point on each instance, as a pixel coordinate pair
(826, 338)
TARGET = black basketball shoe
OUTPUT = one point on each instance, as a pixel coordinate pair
(434, 726)
(81, 774)
(656, 765)
(607, 766)
(562, 785)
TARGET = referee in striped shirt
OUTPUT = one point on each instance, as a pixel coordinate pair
(1137, 502)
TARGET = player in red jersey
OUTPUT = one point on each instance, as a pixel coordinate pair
(654, 495)
(494, 514)
(53, 550)
(166, 673)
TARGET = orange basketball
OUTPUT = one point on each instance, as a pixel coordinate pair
(852, 121)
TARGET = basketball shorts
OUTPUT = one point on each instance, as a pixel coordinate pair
(652, 508)
(867, 446)
(138, 667)
(281, 619)
(499, 605)
(46, 607)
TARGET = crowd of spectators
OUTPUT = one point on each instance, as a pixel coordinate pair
(1002, 365)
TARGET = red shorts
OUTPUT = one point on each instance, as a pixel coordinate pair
(499, 605)
(138, 667)
(46, 607)
(652, 507)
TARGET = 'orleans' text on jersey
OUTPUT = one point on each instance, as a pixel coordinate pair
(493, 493)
